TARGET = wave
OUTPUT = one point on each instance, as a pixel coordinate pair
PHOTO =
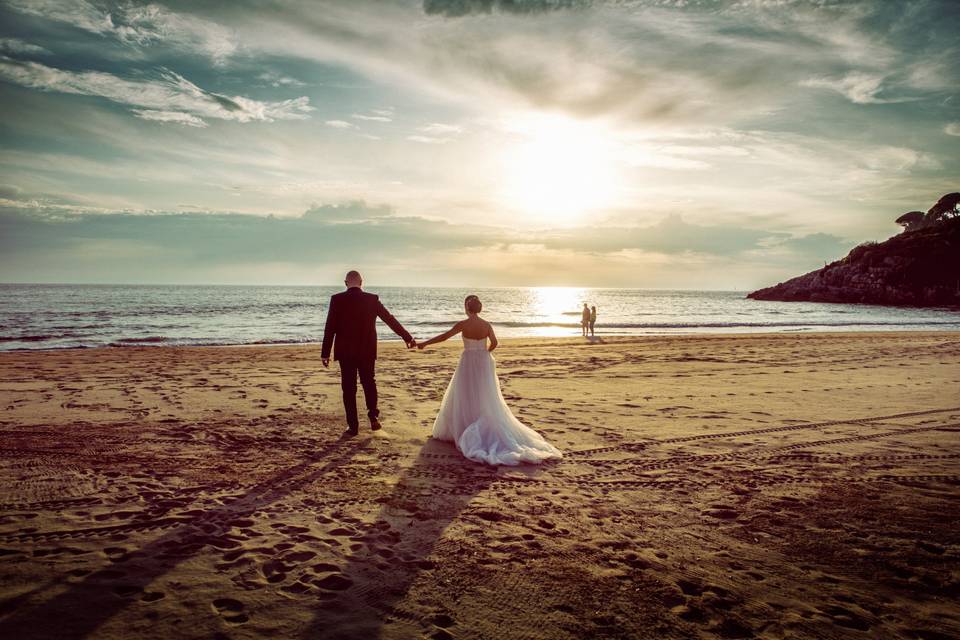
(147, 340)
(83, 340)
(44, 337)
(210, 342)
(190, 309)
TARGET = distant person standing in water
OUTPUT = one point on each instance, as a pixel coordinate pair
(593, 319)
(585, 319)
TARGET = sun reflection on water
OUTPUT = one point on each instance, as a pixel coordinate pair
(557, 305)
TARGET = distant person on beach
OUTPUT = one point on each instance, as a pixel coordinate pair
(593, 319)
(351, 330)
(585, 319)
(473, 413)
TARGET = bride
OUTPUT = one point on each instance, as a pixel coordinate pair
(473, 413)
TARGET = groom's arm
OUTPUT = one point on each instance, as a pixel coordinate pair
(329, 331)
(397, 328)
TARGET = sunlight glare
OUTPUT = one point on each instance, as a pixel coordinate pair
(560, 169)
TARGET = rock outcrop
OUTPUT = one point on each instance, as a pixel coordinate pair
(919, 267)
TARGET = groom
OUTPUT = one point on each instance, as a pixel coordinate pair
(352, 319)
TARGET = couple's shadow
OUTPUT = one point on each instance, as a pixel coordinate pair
(382, 564)
(403, 546)
(78, 608)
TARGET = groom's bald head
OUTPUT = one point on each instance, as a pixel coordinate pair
(353, 279)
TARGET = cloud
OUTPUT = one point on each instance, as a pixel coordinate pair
(9, 191)
(169, 93)
(659, 158)
(429, 139)
(819, 246)
(859, 88)
(352, 211)
(775, 155)
(648, 62)
(275, 79)
(440, 128)
(671, 235)
(952, 129)
(55, 245)
(377, 117)
(435, 133)
(137, 25)
(16, 46)
(460, 8)
(176, 117)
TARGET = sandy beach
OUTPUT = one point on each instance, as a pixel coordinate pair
(735, 486)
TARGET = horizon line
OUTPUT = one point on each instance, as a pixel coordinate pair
(334, 286)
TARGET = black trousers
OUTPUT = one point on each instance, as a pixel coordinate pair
(349, 369)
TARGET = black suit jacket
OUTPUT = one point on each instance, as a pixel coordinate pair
(351, 327)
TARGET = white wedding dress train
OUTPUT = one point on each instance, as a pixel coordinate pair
(476, 418)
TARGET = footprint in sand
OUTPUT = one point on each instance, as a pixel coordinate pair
(845, 617)
(127, 590)
(299, 556)
(275, 571)
(230, 610)
(334, 582)
(721, 512)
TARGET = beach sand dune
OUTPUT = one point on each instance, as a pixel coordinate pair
(732, 486)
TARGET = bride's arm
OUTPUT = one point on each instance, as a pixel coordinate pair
(493, 340)
(457, 328)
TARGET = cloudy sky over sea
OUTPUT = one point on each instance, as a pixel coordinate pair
(473, 142)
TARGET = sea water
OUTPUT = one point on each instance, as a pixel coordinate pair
(70, 316)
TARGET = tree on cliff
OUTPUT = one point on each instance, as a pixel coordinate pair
(911, 220)
(945, 208)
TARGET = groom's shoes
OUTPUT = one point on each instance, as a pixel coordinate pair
(350, 432)
(375, 424)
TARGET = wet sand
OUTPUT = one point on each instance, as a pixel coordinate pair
(799, 486)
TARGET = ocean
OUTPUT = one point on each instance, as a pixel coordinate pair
(75, 316)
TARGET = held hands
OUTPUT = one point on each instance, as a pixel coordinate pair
(412, 343)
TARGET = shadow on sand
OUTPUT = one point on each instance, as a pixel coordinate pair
(80, 609)
(404, 544)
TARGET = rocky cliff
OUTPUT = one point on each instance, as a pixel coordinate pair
(919, 267)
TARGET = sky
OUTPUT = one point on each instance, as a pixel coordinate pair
(628, 143)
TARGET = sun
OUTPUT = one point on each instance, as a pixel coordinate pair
(559, 168)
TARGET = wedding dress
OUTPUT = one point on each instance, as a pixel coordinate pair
(475, 417)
